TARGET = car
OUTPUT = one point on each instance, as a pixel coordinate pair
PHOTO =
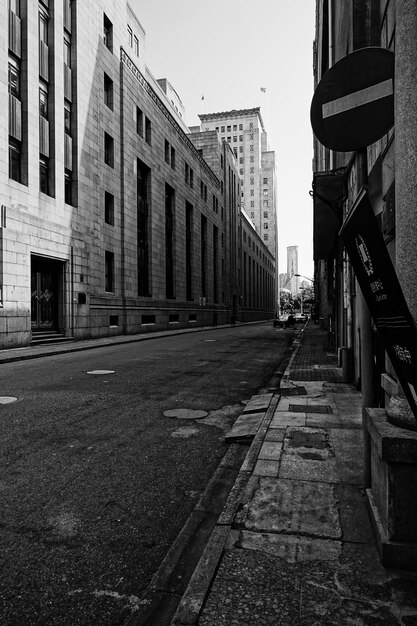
(301, 318)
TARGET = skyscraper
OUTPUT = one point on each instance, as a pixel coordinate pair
(245, 132)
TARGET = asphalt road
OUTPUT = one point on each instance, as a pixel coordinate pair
(96, 482)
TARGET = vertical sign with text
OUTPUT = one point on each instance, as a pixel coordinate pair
(383, 294)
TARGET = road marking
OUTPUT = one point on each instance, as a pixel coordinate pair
(101, 372)
(358, 98)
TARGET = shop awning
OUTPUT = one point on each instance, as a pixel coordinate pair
(328, 195)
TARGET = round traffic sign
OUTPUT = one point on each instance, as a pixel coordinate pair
(353, 105)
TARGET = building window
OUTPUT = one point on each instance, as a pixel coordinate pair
(130, 36)
(266, 237)
(14, 78)
(136, 41)
(43, 174)
(222, 129)
(252, 181)
(234, 139)
(265, 181)
(241, 138)
(240, 148)
(229, 139)
(43, 100)
(241, 171)
(109, 208)
(241, 160)
(143, 183)
(235, 152)
(229, 128)
(188, 251)
(67, 117)
(265, 192)
(139, 121)
(252, 192)
(252, 204)
(252, 170)
(234, 127)
(265, 225)
(148, 131)
(15, 152)
(240, 126)
(173, 158)
(109, 271)
(252, 159)
(252, 215)
(169, 241)
(108, 32)
(266, 214)
(166, 151)
(108, 91)
(68, 186)
(251, 147)
(108, 150)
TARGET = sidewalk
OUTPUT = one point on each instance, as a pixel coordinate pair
(294, 545)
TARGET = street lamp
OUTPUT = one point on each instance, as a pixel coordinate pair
(302, 276)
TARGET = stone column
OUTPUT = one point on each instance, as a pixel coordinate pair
(406, 148)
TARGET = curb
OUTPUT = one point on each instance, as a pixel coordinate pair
(105, 342)
(192, 601)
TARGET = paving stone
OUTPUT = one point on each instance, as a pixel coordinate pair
(270, 451)
(266, 468)
(295, 507)
(291, 548)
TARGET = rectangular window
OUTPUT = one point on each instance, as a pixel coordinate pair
(265, 192)
(148, 131)
(222, 129)
(266, 214)
(67, 117)
(109, 208)
(229, 128)
(136, 40)
(43, 100)
(15, 151)
(265, 202)
(143, 182)
(215, 263)
(240, 126)
(130, 36)
(108, 91)
(68, 186)
(14, 78)
(234, 127)
(191, 178)
(203, 252)
(265, 181)
(187, 173)
(139, 121)
(188, 251)
(109, 271)
(44, 174)
(108, 150)
(107, 33)
(166, 151)
(169, 241)
(241, 138)
(173, 158)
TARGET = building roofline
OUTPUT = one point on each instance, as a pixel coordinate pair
(206, 117)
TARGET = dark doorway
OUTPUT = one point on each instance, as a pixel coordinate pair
(45, 280)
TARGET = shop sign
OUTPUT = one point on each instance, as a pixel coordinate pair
(383, 294)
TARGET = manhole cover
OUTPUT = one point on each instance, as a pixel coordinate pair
(310, 408)
(186, 414)
(100, 372)
(7, 399)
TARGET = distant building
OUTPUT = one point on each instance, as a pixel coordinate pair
(244, 131)
(112, 221)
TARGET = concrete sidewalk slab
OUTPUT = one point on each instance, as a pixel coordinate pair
(299, 548)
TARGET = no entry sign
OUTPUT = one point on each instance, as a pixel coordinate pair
(353, 105)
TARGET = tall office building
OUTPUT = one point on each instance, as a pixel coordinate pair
(245, 132)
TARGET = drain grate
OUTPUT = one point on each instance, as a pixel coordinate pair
(303, 439)
(310, 408)
(293, 391)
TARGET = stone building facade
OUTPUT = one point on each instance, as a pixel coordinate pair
(111, 219)
(386, 171)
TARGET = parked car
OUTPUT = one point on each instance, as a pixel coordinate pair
(301, 318)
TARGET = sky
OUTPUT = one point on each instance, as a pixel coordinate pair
(227, 50)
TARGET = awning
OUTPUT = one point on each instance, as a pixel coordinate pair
(329, 195)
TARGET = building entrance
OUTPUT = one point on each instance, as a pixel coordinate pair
(45, 280)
